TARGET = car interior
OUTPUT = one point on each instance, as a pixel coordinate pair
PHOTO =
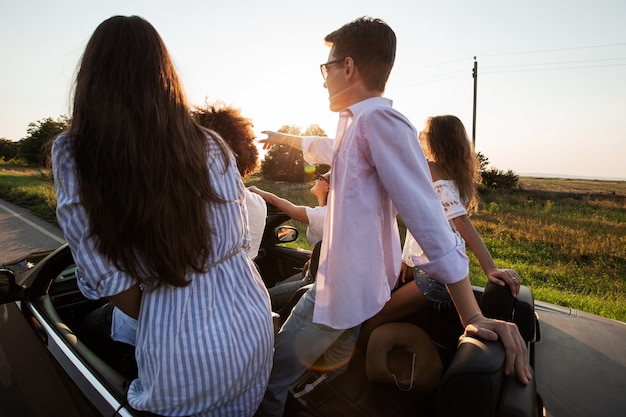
(67, 307)
(473, 383)
(473, 369)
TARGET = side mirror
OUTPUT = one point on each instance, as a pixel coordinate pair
(9, 290)
(285, 234)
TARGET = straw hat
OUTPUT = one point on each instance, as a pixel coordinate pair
(403, 354)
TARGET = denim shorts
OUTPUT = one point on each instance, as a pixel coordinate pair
(432, 289)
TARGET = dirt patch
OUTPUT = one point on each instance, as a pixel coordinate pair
(576, 188)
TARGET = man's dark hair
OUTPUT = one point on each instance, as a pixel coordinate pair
(371, 43)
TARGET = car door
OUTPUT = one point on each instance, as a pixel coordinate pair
(44, 369)
(277, 262)
(32, 383)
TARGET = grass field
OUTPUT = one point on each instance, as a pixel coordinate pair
(580, 186)
(566, 238)
(29, 188)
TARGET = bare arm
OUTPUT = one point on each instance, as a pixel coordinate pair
(282, 138)
(295, 212)
(494, 274)
(478, 325)
(465, 227)
(315, 149)
(128, 301)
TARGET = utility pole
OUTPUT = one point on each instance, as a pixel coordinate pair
(475, 76)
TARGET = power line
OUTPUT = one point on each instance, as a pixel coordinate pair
(405, 78)
(434, 77)
(555, 49)
(406, 83)
(440, 64)
(554, 69)
(582, 61)
(469, 58)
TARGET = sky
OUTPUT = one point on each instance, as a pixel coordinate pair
(550, 91)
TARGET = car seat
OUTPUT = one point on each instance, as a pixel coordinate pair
(475, 384)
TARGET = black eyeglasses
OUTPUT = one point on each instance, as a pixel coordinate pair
(324, 67)
(323, 178)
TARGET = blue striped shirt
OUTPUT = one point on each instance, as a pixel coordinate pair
(202, 350)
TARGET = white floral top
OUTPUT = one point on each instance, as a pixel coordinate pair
(453, 207)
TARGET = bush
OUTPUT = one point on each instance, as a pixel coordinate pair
(495, 178)
(34, 148)
(284, 163)
(8, 149)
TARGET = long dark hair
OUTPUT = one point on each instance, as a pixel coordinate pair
(444, 140)
(141, 158)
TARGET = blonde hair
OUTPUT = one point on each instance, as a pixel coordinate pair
(445, 142)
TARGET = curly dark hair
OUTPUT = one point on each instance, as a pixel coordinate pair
(235, 129)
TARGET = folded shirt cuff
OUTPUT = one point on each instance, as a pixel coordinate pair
(450, 268)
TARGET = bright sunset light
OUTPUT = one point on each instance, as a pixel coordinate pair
(550, 96)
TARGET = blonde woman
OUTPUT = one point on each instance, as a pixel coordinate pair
(454, 170)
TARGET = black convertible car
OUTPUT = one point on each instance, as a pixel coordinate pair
(579, 359)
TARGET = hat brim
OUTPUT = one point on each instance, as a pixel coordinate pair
(402, 354)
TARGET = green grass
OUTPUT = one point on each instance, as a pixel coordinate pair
(566, 238)
(569, 250)
(29, 188)
(297, 193)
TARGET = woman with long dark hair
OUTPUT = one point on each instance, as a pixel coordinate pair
(152, 207)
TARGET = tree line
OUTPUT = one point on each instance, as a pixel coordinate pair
(281, 162)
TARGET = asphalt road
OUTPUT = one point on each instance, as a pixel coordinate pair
(21, 233)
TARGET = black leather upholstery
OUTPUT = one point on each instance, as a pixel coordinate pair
(475, 383)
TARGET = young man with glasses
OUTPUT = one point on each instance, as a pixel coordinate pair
(378, 171)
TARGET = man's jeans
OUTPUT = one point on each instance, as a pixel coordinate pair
(298, 345)
(281, 293)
